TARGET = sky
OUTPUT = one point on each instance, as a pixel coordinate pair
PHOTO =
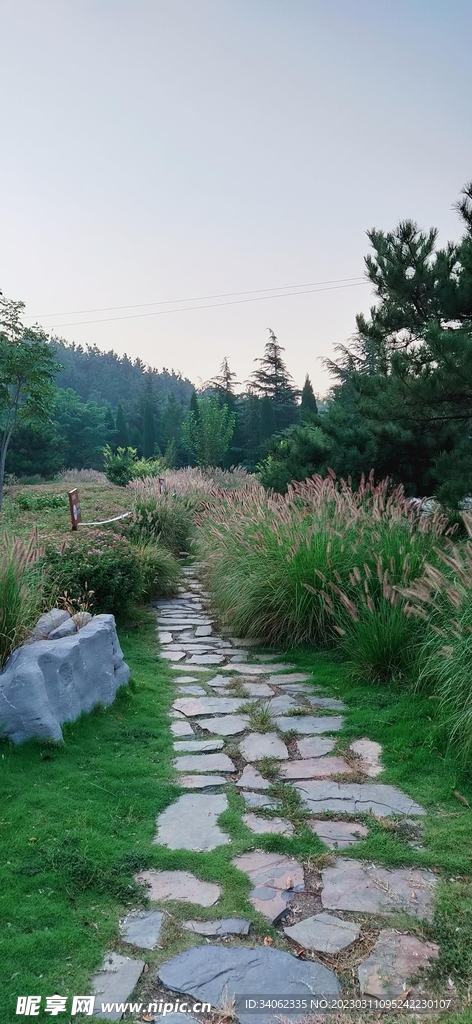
(181, 157)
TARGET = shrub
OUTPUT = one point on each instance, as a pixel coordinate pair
(288, 568)
(21, 592)
(39, 502)
(163, 518)
(161, 572)
(119, 465)
(100, 569)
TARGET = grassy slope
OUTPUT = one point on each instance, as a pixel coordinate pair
(98, 501)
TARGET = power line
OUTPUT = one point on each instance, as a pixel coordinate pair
(197, 298)
(211, 305)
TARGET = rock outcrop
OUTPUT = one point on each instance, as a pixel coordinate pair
(48, 682)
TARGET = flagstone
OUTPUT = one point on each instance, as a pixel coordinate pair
(258, 745)
(252, 779)
(196, 691)
(394, 959)
(324, 932)
(309, 725)
(369, 753)
(195, 746)
(356, 798)
(268, 826)
(204, 763)
(195, 668)
(364, 887)
(283, 702)
(185, 679)
(179, 885)
(207, 705)
(227, 725)
(203, 631)
(315, 768)
(191, 822)
(338, 834)
(314, 746)
(259, 800)
(142, 928)
(292, 677)
(201, 781)
(181, 729)
(165, 638)
(177, 655)
(327, 702)
(219, 974)
(275, 878)
(115, 982)
(227, 926)
(258, 690)
(259, 670)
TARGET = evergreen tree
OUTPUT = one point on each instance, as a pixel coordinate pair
(149, 431)
(194, 408)
(308, 406)
(267, 419)
(207, 438)
(111, 429)
(171, 429)
(272, 380)
(121, 426)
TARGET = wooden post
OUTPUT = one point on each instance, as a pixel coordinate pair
(74, 505)
(161, 484)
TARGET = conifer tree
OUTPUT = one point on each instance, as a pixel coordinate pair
(309, 407)
(272, 380)
(149, 431)
(121, 426)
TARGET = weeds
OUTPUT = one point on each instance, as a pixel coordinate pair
(260, 718)
(21, 592)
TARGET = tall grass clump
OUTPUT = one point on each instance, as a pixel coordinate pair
(440, 601)
(319, 565)
(21, 592)
(164, 518)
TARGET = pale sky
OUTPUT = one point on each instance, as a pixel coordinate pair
(161, 150)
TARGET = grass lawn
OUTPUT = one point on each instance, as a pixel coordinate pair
(25, 506)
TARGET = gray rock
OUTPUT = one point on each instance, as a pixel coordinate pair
(356, 798)
(369, 753)
(175, 1018)
(258, 745)
(307, 725)
(252, 779)
(229, 725)
(314, 746)
(67, 628)
(165, 638)
(172, 655)
(185, 679)
(194, 746)
(289, 677)
(355, 885)
(392, 962)
(217, 974)
(201, 781)
(275, 877)
(338, 834)
(204, 763)
(47, 622)
(315, 768)
(191, 823)
(268, 826)
(227, 926)
(143, 928)
(206, 659)
(259, 800)
(193, 706)
(179, 885)
(195, 691)
(279, 705)
(258, 690)
(203, 631)
(327, 702)
(49, 682)
(181, 729)
(324, 932)
(115, 983)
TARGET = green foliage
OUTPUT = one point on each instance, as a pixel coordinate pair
(99, 570)
(149, 431)
(308, 404)
(21, 592)
(164, 518)
(119, 465)
(295, 454)
(207, 436)
(161, 571)
(38, 450)
(121, 427)
(84, 429)
(39, 502)
(272, 380)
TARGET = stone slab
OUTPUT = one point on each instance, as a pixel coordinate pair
(258, 690)
(195, 668)
(191, 822)
(364, 887)
(369, 753)
(195, 691)
(275, 878)
(259, 670)
(394, 959)
(308, 725)
(204, 763)
(356, 798)
(315, 768)
(165, 638)
(172, 655)
(279, 705)
(193, 706)
(115, 982)
(219, 974)
(338, 835)
(268, 826)
(203, 631)
(201, 781)
(330, 703)
(289, 677)
(179, 885)
(181, 729)
(258, 745)
(259, 800)
(142, 928)
(194, 746)
(227, 926)
(315, 746)
(177, 1017)
(185, 679)
(324, 932)
(206, 659)
(228, 725)
(252, 779)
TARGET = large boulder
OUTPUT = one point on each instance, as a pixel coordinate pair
(50, 682)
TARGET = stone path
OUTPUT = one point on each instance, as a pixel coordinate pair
(240, 722)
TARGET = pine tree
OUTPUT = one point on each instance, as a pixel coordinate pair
(110, 426)
(194, 404)
(267, 420)
(121, 426)
(273, 381)
(308, 407)
(149, 431)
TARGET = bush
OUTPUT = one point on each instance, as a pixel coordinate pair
(163, 518)
(21, 592)
(315, 565)
(100, 571)
(161, 572)
(119, 465)
(39, 502)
